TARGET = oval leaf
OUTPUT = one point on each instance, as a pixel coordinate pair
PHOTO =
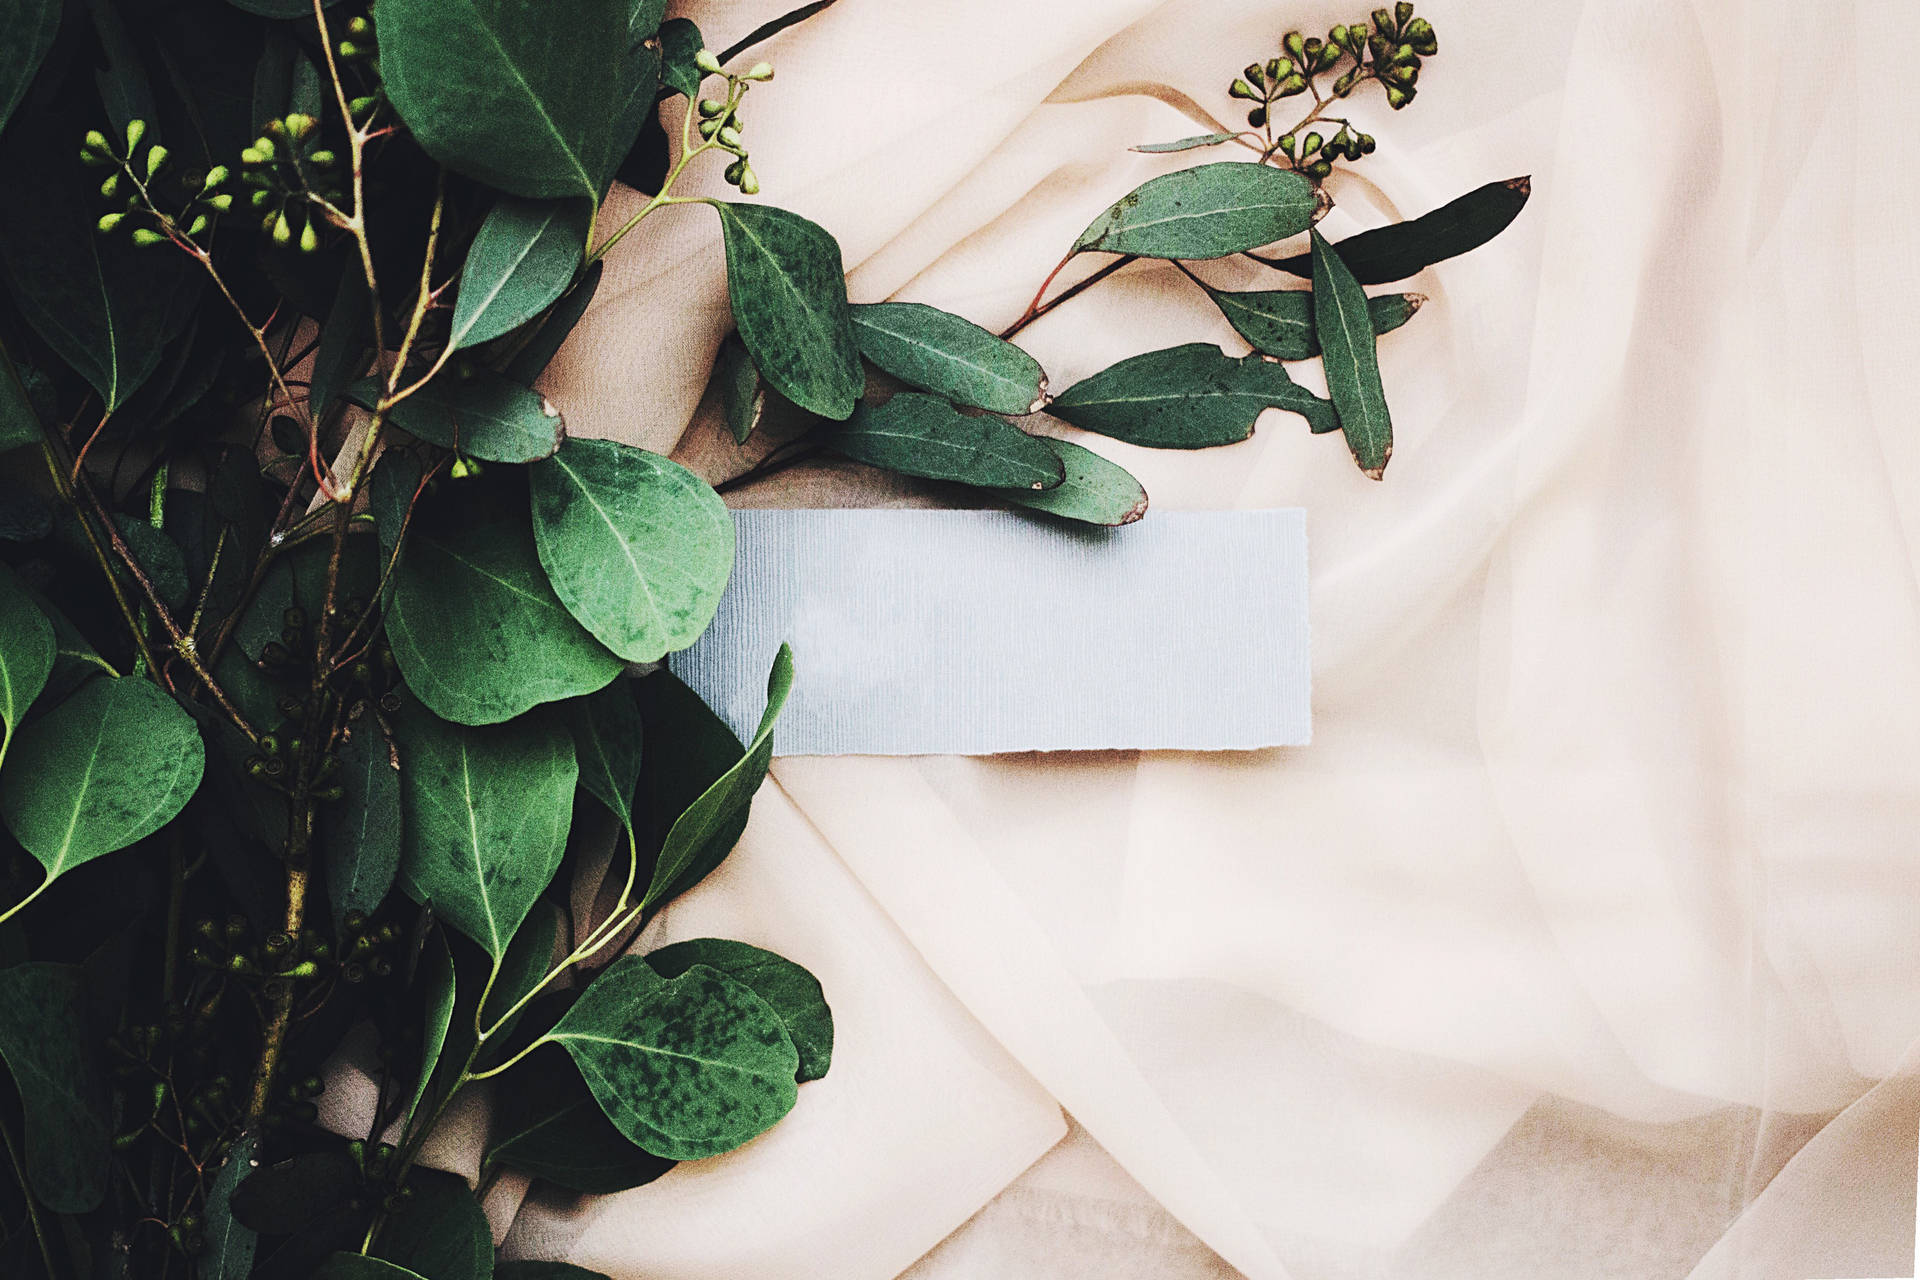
(919, 435)
(743, 397)
(1279, 323)
(30, 26)
(1208, 211)
(789, 990)
(1187, 144)
(478, 632)
(1352, 364)
(486, 817)
(549, 1126)
(685, 1067)
(522, 259)
(1095, 491)
(1406, 248)
(43, 1038)
(493, 92)
(789, 296)
(26, 654)
(361, 832)
(606, 741)
(531, 360)
(485, 416)
(680, 40)
(437, 986)
(112, 764)
(637, 547)
(230, 1244)
(443, 1234)
(951, 357)
(1188, 397)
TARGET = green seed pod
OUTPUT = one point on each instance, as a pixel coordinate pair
(707, 62)
(1291, 86)
(257, 199)
(1382, 22)
(1241, 89)
(359, 27)
(1287, 144)
(1329, 54)
(111, 185)
(1339, 35)
(1419, 34)
(709, 127)
(1295, 44)
(749, 185)
(216, 176)
(1398, 97)
(282, 229)
(1403, 12)
(1278, 67)
(155, 159)
(145, 238)
(1344, 85)
(730, 138)
(199, 225)
(96, 142)
(300, 124)
(733, 172)
(351, 51)
(709, 108)
(760, 71)
(1404, 56)
(364, 103)
(108, 221)
(309, 239)
(1403, 76)
(136, 130)
(1366, 144)
(1310, 145)
(266, 147)
(1319, 169)
(252, 155)
(1253, 74)
(1312, 48)
(322, 159)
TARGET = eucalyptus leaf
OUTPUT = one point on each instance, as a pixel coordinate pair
(680, 40)
(30, 26)
(112, 764)
(789, 295)
(345, 339)
(360, 833)
(789, 990)
(528, 958)
(158, 556)
(390, 497)
(19, 423)
(1095, 491)
(532, 1270)
(685, 1067)
(767, 30)
(1208, 211)
(637, 547)
(1187, 397)
(1187, 144)
(547, 1125)
(358, 1266)
(1279, 323)
(522, 259)
(639, 84)
(484, 416)
(44, 1039)
(230, 1244)
(287, 1195)
(1352, 364)
(1406, 248)
(26, 655)
(486, 815)
(495, 90)
(704, 750)
(743, 396)
(437, 986)
(531, 360)
(703, 835)
(940, 352)
(921, 435)
(606, 741)
(479, 634)
(443, 1235)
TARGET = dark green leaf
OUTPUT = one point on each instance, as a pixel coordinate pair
(1407, 248)
(528, 1270)
(1095, 491)
(549, 1126)
(344, 342)
(767, 30)
(1187, 144)
(949, 356)
(44, 1040)
(158, 556)
(606, 741)
(1279, 323)
(26, 654)
(1205, 212)
(531, 360)
(1352, 364)
(30, 26)
(686, 1067)
(679, 41)
(390, 496)
(281, 1198)
(443, 1235)
(437, 986)
(528, 958)
(789, 295)
(485, 416)
(639, 84)
(278, 8)
(230, 1245)
(743, 397)
(479, 634)
(19, 423)
(522, 259)
(920, 435)
(495, 91)
(113, 763)
(358, 1266)
(704, 749)
(361, 831)
(486, 815)
(1187, 397)
(637, 547)
(704, 834)
(789, 990)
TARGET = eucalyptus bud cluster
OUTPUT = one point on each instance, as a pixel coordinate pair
(1395, 47)
(133, 173)
(1315, 156)
(720, 122)
(288, 163)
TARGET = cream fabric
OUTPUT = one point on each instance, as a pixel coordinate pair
(1582, 941)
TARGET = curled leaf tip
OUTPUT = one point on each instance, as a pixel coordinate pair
(1523, 184)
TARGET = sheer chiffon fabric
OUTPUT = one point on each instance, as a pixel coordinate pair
(1582, 940)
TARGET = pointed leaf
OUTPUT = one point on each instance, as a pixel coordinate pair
(344, 342)
(789, 990)
(1095, 491)
(940, 352)
(685, 1067)
(30, 26)
(230, 1244)
(44, 1041)
(1407, 248)
(548, 1126)
(1352, 364)
(1279, 323)
(485, 416)
(919, 435)
(1187, 144)
(1205, 212)
(528, 958)
(522, 259)
(606, 741)
(1188, 397)
(486, 817)
(110, 765)
(680, 40)
(743, 396)
(19, 423)
(531, 360)
(283, 1197)
(26, 655)
(704, 749)
(443, 1234)
(639, 87)
(531, 1270)
(638, 548)
(437, 987)
(789, 295)
(361, 835)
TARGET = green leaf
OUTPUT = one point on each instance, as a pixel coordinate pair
(1187, 397)
(686, 1067)
(522, 259)
(26, 655)
(528, 957)
(19, 422)
(940, 352)
(1279, 323)
(443, 1235)
(767, 30)
(637, 547)
(44, 1039)
(1352, 364)
(1095, 491)
(919, 435)
(1205, 212)
(530, 1270)
(789, 990)
(789, 295)
(486, 815)
(1187, 144)
(278, 8)
(390, 497)
(30, 26)
(704, 749)
(547, 1125)
(110, 765)
(158, 556)
(680, 39)
(531, 360)
(437, 988)
(479, 634)
(358, 1266)
(230, 1244)
(1406, 248)
(344, 342)
(743, 397)
(606, 741)
(703, 835)
(485, 416)
(494, 90)
(360, 834)
(639, 84)
(283, 1197)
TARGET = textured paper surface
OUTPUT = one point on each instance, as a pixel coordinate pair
(920, 632)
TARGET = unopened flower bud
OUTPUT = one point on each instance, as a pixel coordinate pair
(1403, 12)
(1290, 86)
(707, 62)
(1382, 21)
(749, 185)
(1254, 74)
(199, 225)
(300, 124)
(97, 141)
(111, 185)
(215, 176)
(350, 51)
(360, 104)
(1295, 44)
(359, 27)
(282, 229)
(710, 108)
(1398, 97)
(760, 71)
(322, 159)
(1319, 169)
(1241, 89)
(136, 130)
(1310, 145)
(1339, 35)
(730, 138)
(144, 237)
(155, 159)
(108, 221)
(1287, 143)
(309, 239)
